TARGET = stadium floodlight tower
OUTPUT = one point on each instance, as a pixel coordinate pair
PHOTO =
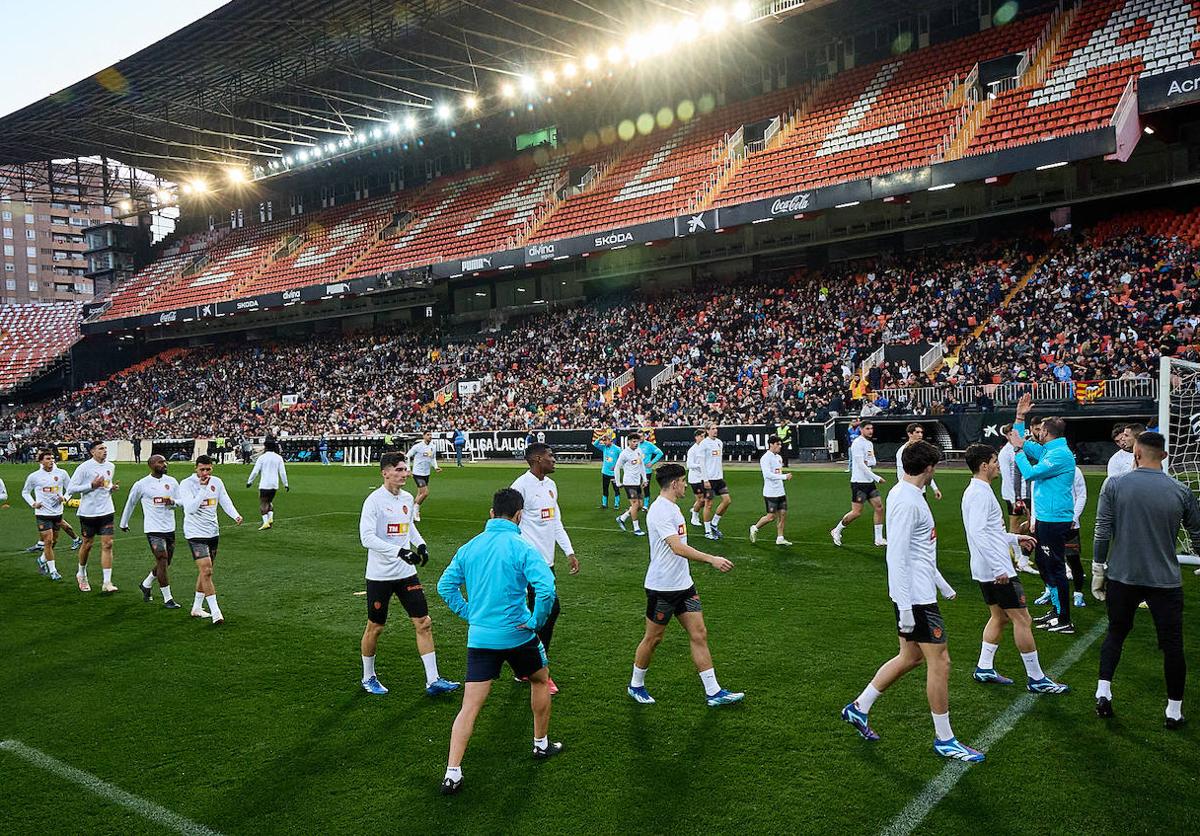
(1179, 422)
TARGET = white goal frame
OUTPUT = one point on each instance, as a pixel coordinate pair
(1165, 366)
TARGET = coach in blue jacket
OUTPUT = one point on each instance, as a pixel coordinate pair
(497, 567)
(1049, 466)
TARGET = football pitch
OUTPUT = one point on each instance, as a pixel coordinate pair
(121, 717)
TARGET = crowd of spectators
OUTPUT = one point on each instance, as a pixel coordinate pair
(782, 348)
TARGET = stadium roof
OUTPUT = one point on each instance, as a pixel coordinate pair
(256, 79)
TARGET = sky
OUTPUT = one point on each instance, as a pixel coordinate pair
(36, 37)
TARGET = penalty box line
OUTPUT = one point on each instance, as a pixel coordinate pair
(911, 817)
(146, 809)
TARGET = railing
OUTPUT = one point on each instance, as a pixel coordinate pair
(1127, 103)
(619, 383)
(932, 357)
(872, 360)
(1006, 394)
(668, 374)
(735, 143)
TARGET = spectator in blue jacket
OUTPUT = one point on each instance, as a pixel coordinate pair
(460, 441)
(1048, 464)
(497, 568)
(609, 450)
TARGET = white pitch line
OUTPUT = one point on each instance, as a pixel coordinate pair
(911, 817)
(146, 809)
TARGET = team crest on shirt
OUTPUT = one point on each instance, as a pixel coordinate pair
(937, 632)
(681, 531)
(551, 494)
(547, 513)
(778, 471)
(397, 529)
(933, 534)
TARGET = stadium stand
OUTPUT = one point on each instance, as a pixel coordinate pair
(33, 336)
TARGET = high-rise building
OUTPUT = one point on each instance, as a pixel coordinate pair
(41, 250)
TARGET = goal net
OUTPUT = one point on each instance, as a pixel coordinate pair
(1179, 421)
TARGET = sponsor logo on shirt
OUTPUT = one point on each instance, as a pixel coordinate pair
(211, 502)
(547, 513)
(160, 500)
(50, 489)
(397, 529)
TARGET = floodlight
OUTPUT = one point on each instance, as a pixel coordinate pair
(527, 83)
(569, 70)
(590, 62)
(741, 11)
(507, 90)
(410, 122)
(236, 175)
(714, 19)
(614, 54)
(444, 112)
(548, 76)
(200, 186)
(470, 102)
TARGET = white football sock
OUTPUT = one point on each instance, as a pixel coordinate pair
(166, 592)
(81, 572)
(638, 680)
(941, 726)
(867, 698)
(271, 515)
(1104, 689)
(149, 579)
(212, 606)
(624, 517)
(637, 525)
(454, 773)
(716, 520)
(429, 660)
(707, 527)
(840, 527)
(266, 518)
(879, 532)
(198, 604)
(1175, 709)
(709, 678)
(987, 655)
(107, 575)
(50, 565)
(368, 667)
(541, 743)
(1033, 668)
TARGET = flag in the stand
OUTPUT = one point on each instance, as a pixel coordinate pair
(1088, 391)
(648, 434)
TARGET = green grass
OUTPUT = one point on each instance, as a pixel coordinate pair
(259, 726)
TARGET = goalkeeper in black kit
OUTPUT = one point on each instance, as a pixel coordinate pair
(1136, 525)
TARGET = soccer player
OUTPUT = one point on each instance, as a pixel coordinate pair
(991, 549)
(695, 476)
(45, 491)
(1136, 528)
(609, 450)
(1125, 436)
(915, 432)
(1052, 479)
(913, 584)
(1014, 490)
(864, 485)
(651, 455)
(541, 524)
(712, 454)
(630, 473)
(158, 494)
(774, 496)
(670, 591)
(271, 473)
(94, 481)
(200, 494)
(394, 551)
(497, 567)
(422, 459)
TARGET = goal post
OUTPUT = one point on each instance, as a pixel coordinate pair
(1179, 422)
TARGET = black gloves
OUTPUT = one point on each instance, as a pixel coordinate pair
(418, 558)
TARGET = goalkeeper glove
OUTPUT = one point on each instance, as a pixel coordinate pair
(1099, 580)
(422, 555)
(408, 557)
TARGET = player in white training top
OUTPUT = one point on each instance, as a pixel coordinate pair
(394, 551)
(158, 495)
(1014, 489)
(1124, 435)
(915, 432)
(774, 496)
(913, 584)
(992, 550)
(864, 485)
(271, 473)
(200, 494)
(541, 524)
(422, 458)
(670, 591)
(695, 477)
(630, 472)
(712, 455)
(95, 482)
(45, 491)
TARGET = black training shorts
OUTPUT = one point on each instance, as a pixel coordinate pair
(49, 523)
(408, 590)
(484, 663)
(633, 491)
(660, 606)
(96, 526)
(697, 489)
(930, 628)
(163, 541)
(861, 492)
(203, 547)
(421, 481)
(717, 487)
(266, 494)
(1006, 596)
(775, 503)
